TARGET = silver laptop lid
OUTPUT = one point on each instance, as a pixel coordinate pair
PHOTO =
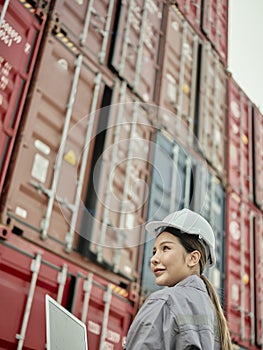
(64, 331)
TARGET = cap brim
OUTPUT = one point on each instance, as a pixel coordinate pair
(153, 226)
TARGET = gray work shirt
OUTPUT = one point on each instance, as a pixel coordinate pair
(180, 317)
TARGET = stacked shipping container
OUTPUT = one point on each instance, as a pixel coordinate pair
(244, 220)
(130, 114)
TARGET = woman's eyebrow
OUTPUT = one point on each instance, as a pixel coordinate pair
(165, 242)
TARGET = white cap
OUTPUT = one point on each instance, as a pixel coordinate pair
(191, 223)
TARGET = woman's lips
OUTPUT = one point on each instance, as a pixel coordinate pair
(158, 272)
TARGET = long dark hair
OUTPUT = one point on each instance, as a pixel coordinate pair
(190, 243)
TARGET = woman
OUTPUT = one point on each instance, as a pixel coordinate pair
(188, 314)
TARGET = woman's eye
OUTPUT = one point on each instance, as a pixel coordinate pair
(165, 247)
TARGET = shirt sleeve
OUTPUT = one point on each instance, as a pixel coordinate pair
(152, 328)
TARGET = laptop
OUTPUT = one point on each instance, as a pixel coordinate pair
(64, 331)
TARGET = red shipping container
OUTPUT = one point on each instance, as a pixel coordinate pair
(52, 154)
(257, 156)
(21, 31)
(215, 25)
(211, 123)
(244, 274)
(136, 46)
(239, 141)
(178, 77)
(88, 24)
(27, 273)
(192, 10)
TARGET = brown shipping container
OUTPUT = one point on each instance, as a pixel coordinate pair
(135, 50)
(43, 196)
(239, 141)
(215, 25)
(88, 24)
(20, 34)
(211, 128)
(116, 232)
(258, 156)
(192, 10)
(244, 273)
(28, 273)
(178, 77)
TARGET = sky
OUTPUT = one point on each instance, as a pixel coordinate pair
(245, 47)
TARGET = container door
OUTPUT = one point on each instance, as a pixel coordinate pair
(192, 10)
(24, 281)
(169, 191)
(89, 24)
(212, 109)
(240, 141)
(258, 291)
(209, 200)
(215, 25)
(178, 76)
(257, 156)
(21, 32)
(44, 199)
(240, 303)
(112, 226)
(135, 49)
(105, 309)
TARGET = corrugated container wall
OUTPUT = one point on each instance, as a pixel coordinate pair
(87, 24)
(239, 141)
(21, 33)
(28, 272)
(257, 156)
(135, 47)
(215, 26)
(209, 199)
(179, 179)
(244, 273)
(212, 111)
(67, 138)
(178, 78)
(192, 10)
(58, 126)
(118, 197)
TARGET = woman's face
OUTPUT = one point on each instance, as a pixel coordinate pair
(169, 261)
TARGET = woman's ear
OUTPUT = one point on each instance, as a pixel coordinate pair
(193, 258)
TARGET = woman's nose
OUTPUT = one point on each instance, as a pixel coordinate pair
(155, 259)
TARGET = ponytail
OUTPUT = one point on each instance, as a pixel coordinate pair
(224, 334)
(191, 243)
